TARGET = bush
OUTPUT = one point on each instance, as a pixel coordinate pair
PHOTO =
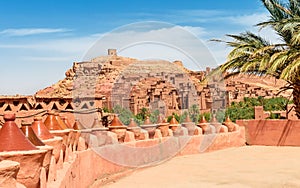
(154, 116)
(141, 116)
(124, 114)
(207, 116)
(194, 113)
(177, 117)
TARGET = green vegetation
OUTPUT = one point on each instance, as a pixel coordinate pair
(124, 114)
(253, 54)
(207, 116)
(106, 110)
(245, 109)
(154, 116)
(237, 110)
(144, 112)
(177, 117)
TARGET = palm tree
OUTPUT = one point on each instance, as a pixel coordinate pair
(252, 54)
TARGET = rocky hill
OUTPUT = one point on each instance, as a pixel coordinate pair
(103, 75)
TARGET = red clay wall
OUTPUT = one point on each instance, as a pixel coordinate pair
(87, 166)
(272, 132)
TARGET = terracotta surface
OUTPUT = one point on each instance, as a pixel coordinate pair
(40, 129)
(204, 125)
(191, 127)
(98, 125)
(47, 158)
(8, 173)
(76, 141)
(147, 121)
(66, 121)
(79, 173)
(116, 122)
(56, 143)
(272, 132)
(51, 122)
(132, 123)
(163, 125)
(173, 121)
(116, 126)
(229, 124)
(175, 126)
(133, 127)
(65, 134)
(31, 163)
(255, 166)
(12, 138)
(149, 127)
(219, 128)
(30, 134)
(60, 121)
(99, 138)
(77, 125)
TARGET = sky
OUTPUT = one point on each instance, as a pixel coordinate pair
(40, 40)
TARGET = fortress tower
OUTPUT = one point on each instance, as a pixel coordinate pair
(112, 52)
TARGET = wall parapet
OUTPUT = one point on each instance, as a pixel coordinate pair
(77, 158)
(272, 132)
(89, 166)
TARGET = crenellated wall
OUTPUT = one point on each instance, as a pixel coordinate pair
(89, 166)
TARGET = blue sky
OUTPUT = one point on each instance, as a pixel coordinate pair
(39, 40)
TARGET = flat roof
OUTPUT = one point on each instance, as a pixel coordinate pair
(249, 166)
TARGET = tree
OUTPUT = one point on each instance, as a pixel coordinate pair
(220, 115)
(144, 112)
(124, 114)
(154, 116)
(252, 54)
(245, 109)
(194, 113)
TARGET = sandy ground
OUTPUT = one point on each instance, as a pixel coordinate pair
(249, 166)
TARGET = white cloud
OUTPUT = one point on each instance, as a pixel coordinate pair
(170, 42)
(197, 31)
(32, 31)
(54, 56)
(63, 45)
(250, 19)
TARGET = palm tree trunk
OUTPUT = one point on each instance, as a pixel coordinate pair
(296, 97)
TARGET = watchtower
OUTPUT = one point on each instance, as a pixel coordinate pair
(112, 52)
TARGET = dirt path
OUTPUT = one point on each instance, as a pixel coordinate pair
(251, 166)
